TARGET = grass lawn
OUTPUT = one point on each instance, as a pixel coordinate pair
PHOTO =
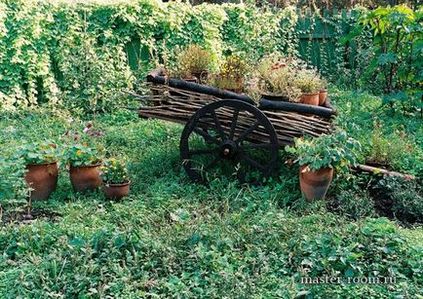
(173, 238)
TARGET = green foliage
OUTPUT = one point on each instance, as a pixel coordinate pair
(336, 150)
(171, 236)
(396, 62)
(114, 171)
(354, 203)
(82, 155)
(39, 152)
(13, 189)
(406, 198)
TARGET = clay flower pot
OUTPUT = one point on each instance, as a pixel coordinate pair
(42, 178)
(85, 177)
(116, 191)
(310, 99)
(315, 184)
(323, 94)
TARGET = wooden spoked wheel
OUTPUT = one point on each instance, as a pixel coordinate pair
(229, 137)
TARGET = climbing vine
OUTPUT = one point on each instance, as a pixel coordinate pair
(85, 55)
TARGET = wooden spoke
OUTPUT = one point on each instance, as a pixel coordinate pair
(213, 163)
(257, 145)
(253, 162)
(206, 135)
(203, 151)
(218, 126)
(233, 124)
(247, 132)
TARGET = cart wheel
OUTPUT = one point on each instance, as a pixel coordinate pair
(229, 137)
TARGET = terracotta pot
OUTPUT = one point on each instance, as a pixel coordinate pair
(116, 191)
(315, 184)
(323, 94)
(42, 179)
(310, 98)
(85, 177)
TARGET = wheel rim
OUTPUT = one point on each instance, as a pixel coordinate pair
(229, 137)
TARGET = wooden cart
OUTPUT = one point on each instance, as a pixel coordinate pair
(228, 133)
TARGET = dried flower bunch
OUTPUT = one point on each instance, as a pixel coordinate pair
(276, 76)
(231, 75)
(193, 61)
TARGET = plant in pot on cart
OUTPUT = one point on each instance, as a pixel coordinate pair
(84, 166)
(277, 84)
(318, 157)
(41, 168)
(231, 75)
(193, 64)
(308, 81)
(115, 178)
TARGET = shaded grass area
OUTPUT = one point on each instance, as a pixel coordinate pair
(172, 238)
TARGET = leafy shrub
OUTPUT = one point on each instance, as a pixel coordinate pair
(395, 62)
(83, 155)
(39, 152)
(355, 204)
(336, 150)
(405, 198)
(13, 189)
(114, 171)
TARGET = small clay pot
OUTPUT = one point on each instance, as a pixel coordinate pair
(315, 184)
(323, 94)
(310, 99)
(116, 191)
(42, 178)
(85, 177)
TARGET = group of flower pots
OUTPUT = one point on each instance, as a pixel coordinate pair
(86, 171)
(315, 98)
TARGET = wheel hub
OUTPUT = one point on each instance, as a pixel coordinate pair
(228, 149)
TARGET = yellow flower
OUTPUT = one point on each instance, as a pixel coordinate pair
(78, 152)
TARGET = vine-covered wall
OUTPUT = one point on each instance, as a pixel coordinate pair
(82, 54)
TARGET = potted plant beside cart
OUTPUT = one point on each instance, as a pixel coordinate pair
(41, 168)
(319, 157)
(115, 179)
(84, 167)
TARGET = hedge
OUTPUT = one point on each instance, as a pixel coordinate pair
(82, 54)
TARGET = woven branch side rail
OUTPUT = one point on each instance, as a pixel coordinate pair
(178, 105)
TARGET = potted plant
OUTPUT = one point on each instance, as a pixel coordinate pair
(323, 93)
(115, 178)
(84, 167)
(194, 64)
(317, 159)
(231, 75)
(41, 165)
(275, 80)
(308, 82)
